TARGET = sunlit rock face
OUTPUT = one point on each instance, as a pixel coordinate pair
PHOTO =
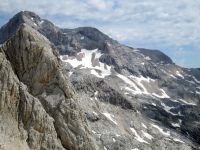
(79, 89)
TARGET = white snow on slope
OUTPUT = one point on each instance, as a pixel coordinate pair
(187, 103)
(197, 92)
(93, 132)
(41, 22)
(137, 87)
(176, 125)
(135, 83)
(70, 73)
(139, 81)
(167, 133)
(137, 137)
(180, 75)
(153, 104)
(178, 140)
(168, 73)
(164, 95)
(147, 58)
(132, 91)
(110, 117)
(102, 74)
(147, 135)
(100, 70)
(143, 125)
(167, 108)
(131, 83)
(171, 75)
(195, 79)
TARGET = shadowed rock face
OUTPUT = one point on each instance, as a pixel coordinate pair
(79, 89)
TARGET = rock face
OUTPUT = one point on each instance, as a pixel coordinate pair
(79, 89)
(39, 96)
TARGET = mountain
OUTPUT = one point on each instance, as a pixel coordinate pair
(80, 89)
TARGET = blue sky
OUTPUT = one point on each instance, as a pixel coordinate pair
(172, 26)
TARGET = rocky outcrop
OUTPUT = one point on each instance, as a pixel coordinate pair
(24, 122)
(38, 95)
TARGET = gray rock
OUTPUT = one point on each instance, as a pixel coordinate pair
(49, 114)
(145, 101)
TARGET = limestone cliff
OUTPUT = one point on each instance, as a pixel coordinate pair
(37, 104)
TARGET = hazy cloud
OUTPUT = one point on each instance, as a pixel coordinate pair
(157, 24)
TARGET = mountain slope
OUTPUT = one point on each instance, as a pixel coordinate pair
(132, 98)
(46, 109)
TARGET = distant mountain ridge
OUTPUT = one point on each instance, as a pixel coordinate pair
(80, 89)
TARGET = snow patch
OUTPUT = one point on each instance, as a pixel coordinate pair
(137, 137)
(93, 132)
(153, 104)
(180, 75)
(192, 82)
(147, 135)
(167, 133)
(176, 125)
(41, 22)
(147, 58)
(164, 95)
(167, 109)
(95, 113)
(197, 92)
(178, 140)
(143, 125)
(131, 90)
(195, 79)
(70, 73)
(136, 83)
(187, 103)
(131, 83)
(110, 117)
(82, 38)
(100, 69)
(171, 75)
(102, 74)
(117, 135)
(96, 93)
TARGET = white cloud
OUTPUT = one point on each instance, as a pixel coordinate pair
(166, 22)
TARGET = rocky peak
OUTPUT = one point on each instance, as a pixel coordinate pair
(79, 89)
(156, 56)
(14, 23)
(49, 115)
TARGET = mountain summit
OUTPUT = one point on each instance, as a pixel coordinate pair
(79, 89)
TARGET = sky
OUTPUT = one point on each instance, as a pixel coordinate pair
(172, 26)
